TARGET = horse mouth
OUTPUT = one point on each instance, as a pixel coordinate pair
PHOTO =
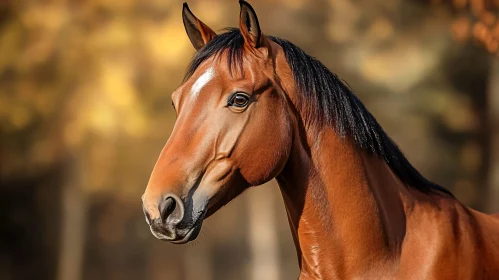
(177, 235)
(191, 235)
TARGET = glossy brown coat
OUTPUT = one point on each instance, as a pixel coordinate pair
(351, 217)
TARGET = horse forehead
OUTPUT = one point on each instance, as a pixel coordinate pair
(194, 86)
(202, 81)
(211, 69)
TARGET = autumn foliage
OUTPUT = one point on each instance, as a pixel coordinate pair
(477, 20)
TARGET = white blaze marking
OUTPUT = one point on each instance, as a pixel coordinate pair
(202, 81)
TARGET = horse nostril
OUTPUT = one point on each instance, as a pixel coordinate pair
(171, 209)
(166, 207)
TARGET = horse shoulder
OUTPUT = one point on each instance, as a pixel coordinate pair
(487, 242)
(446, 231)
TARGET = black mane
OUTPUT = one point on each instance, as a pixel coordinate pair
(329, 102)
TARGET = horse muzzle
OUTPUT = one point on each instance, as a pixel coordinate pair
(172, 224)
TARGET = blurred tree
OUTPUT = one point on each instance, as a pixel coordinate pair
(477, 20)
(493, 178)
(468, 70)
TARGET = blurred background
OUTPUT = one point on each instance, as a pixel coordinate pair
(85, 110)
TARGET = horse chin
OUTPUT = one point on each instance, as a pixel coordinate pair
(191, 235)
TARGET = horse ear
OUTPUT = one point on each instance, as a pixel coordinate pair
(250, 28)
(199, 33)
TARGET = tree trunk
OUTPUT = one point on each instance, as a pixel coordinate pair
(262, 236)
(73, 225)
(493, 182)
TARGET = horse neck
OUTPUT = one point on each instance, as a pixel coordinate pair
(345, 207)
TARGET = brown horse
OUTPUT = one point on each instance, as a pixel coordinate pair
(255, 107)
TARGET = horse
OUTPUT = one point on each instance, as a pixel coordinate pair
(254, 107)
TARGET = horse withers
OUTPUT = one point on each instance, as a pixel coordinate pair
(253, 108)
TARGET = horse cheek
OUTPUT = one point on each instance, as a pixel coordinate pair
(269, 153)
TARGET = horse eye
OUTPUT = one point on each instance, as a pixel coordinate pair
(239, 100)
